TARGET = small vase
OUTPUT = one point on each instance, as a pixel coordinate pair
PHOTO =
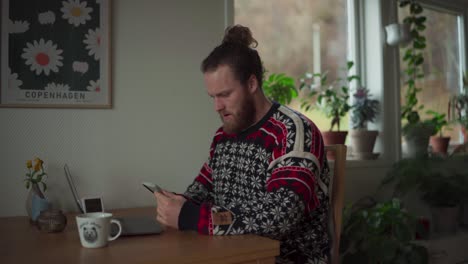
(35, 203)
(38, 205)
(28, 203)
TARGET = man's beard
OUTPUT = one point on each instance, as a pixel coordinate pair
(242, 119)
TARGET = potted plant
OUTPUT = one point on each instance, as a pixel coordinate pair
(458, 108)
(332, 100)
(439, 143)
(416, 132)
(440, 181)
(380, 233)
(363, 110)
(280, 88)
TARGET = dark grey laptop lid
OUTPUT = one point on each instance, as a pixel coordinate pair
(137, 225)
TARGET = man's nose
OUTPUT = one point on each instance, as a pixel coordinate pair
(218, 104)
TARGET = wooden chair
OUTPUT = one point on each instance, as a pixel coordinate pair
(336, 191)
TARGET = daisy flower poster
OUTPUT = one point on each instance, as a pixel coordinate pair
(55, 54)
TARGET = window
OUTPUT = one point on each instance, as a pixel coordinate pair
(314, 36)
(296, 37)
(442, 65)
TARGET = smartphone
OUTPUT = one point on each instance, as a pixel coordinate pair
(152, 187)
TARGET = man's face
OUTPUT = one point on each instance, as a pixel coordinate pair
(232, 101)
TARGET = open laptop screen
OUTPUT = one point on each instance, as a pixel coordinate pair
(71, 183)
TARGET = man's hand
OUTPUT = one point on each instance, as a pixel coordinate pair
(169, 206)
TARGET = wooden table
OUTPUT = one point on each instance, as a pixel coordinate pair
(21, 242)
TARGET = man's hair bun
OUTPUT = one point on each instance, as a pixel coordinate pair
(240, 35)
(237, 50)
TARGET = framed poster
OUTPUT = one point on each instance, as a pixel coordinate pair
(55, 54)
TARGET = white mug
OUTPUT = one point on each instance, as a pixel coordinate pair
(94, 229)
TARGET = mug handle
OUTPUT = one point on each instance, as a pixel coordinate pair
(117, 222)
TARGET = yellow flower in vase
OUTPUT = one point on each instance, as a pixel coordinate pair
(38, 165)
(35, 176)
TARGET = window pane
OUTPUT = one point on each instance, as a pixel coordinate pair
(296, 37)
(441, 65)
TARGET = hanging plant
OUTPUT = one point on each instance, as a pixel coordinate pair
(414, 59)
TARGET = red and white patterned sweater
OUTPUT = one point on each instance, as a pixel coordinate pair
(270, 180)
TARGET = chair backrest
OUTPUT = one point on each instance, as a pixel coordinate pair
(336, 191)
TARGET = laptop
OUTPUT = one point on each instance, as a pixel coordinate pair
(131, 225)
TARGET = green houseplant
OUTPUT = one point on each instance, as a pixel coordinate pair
(363, 110)
(441, 182)
(332, 100)
(415, 131)
(380, 233)
(280, 88)
(35, 177)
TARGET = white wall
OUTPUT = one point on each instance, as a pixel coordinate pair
(159, 128)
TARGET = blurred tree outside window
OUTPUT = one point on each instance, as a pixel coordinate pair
(296, 37)
(442, 73)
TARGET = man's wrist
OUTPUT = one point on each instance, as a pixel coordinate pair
(189, 215)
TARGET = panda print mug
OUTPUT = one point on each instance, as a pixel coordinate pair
(94, 229)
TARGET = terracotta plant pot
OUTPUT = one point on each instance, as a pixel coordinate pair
(439, 144)
(333, 138)
(362, 142)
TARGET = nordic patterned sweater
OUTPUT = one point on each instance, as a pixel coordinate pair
(270, 180)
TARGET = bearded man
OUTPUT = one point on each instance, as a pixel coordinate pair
(267, 172)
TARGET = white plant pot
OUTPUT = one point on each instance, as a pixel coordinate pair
(362, 143)
(416, 146)
(398, 34)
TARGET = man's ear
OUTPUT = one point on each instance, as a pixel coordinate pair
(252, 84)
